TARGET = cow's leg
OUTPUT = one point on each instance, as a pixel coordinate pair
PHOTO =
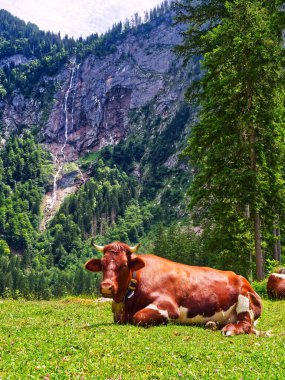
(248, 309)
(156, 313)
(118, 310)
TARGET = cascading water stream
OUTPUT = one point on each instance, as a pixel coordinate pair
(66, 114)
(59, 161)
(73, 100)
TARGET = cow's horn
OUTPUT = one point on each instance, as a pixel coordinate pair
(99, 248)
(135, 248)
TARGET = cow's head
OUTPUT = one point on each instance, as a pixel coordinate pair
(117, 264)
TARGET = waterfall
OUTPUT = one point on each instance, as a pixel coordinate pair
(61, 158)
(66, 114)
(73, 100)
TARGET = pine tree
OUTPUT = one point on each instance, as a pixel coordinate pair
(237, 146)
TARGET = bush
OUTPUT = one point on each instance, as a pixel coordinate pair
(260, 288)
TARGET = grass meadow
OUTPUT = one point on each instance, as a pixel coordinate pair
(76, 339)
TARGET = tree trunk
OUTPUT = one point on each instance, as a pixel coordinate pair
(258, 249)
(275, 249)
(256, 217)
(279, 249)
(277, 244)
(250, 274)
(113, 215)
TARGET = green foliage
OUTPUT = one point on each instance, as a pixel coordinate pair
(203, 17)
(272, 265)
(76, 338)
(3, 92)
(30, 265)
(17, 37)
(179, 243)
(4, 248)
(144, 154)
(21, 190)
(261, 288)
(237, 147)
(39, 282)
(48, 52)
(161, 146)
(88, 159)
(90, 212)
(107, 42)
(132, 225)
(48, 264)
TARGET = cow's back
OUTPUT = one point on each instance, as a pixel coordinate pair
(276, 286)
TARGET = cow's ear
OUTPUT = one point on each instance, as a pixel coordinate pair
(137, 263)
(94, 265)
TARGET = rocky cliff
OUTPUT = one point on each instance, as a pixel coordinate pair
(133, 91)
(87, 104)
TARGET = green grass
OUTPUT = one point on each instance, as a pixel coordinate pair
(69, 167)
(76, 339)
(89, 158)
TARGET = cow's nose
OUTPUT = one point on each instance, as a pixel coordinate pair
(107, 288)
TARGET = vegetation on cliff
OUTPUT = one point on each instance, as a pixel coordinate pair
(45, 53)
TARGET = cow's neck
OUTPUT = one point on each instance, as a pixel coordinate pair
(128, 292)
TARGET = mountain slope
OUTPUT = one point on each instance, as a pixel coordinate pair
(94, 95)
(130, 90)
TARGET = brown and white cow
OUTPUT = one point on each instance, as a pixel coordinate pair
(276, 284)
(148, 290)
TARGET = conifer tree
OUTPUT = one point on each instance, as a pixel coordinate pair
(237, 147)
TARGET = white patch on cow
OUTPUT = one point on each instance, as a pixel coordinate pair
(164, 313)
(243, 306)
(227, 316)
(279, 275)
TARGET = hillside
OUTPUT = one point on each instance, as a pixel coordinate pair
(134, 85)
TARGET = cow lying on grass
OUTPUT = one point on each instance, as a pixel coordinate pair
(149, 290)
(276, 285)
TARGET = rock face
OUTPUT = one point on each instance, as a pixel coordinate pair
(16, 60)
(21, 111)
(93, 99)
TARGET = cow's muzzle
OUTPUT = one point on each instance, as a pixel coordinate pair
(107, 289)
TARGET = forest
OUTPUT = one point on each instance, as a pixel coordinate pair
(223, 207)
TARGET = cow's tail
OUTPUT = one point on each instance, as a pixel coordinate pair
(261, 333)
(255, 304)
(256, 307)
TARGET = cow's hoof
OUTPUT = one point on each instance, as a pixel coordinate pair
(229, 330)
(211, 325)
(228, 333)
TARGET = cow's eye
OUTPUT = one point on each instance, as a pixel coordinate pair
(124, 266)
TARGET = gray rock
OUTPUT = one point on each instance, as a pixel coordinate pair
(93, 100)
